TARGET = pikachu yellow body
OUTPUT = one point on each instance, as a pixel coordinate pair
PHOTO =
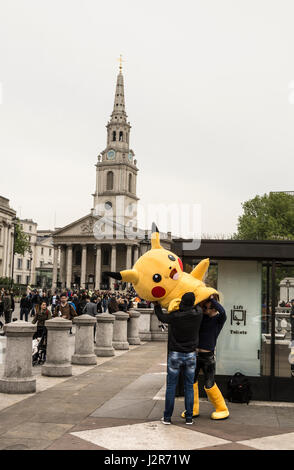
(158, 275)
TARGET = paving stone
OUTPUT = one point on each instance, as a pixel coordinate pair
(151, 436)
(278, 442)
(34, 430)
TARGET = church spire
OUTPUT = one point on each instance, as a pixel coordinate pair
(119, 113)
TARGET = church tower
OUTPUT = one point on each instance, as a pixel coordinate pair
(116, 169)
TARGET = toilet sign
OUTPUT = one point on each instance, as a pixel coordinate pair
(238, 346)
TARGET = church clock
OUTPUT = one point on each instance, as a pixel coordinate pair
(110, 155)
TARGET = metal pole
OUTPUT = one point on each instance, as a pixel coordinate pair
(273, 329)
(267, 297)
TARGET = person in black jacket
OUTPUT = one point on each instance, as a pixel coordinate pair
(214, 317)
(184, 327)
(25, 307)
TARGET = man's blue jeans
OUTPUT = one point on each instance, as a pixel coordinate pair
(176, 360)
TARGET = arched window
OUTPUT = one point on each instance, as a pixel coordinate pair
(121, 135)
(130, 182)
(114, 136)
(109, 182)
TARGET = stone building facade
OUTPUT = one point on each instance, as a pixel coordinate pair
(7, 218)
(107, 238)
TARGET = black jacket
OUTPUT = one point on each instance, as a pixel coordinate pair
(184, 327)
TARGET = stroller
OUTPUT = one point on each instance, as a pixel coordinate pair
(39, 348)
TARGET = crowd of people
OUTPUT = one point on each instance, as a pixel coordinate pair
(68, 303)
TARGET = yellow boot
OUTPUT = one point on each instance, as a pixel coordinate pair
(196, 402)
(216, 398)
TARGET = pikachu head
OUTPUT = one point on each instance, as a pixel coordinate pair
(156, 273)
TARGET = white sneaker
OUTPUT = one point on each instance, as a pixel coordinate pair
(165, 421)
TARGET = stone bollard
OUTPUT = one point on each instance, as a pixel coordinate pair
(133, 327)
(144, 323)
(120, 335)
(58, 348)
(84, 341)
(104, 335)
(17, 376)
(156, 333)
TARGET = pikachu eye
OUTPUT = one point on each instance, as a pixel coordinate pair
(157, 278)
(172, 258)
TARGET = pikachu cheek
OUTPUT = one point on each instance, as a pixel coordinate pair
(181, 264)
(158, 291)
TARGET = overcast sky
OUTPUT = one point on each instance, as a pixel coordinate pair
(207, 94)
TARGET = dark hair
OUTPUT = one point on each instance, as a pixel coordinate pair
(63, 294)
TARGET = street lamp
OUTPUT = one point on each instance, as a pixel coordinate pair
(31, 258)
(288, 284)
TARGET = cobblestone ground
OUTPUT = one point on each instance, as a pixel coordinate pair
(118, 403)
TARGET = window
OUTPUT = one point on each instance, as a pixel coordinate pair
(27, 280)
(18, 279)
(28, 264)
(114, 136)
(19, 263)
(30, 228)
(121, 135)
(30, 238)
(109, 183)
(130, 182)
(41, 263)
(42, 251)
(50, 251)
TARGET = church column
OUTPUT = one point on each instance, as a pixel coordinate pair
(62, 266)
(136, 253)
(98, 267)
(129, 257)
(68, 266)
(55, 267)
(83, 266)
(113, 265)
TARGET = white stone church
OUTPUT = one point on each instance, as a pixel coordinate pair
(84, 251)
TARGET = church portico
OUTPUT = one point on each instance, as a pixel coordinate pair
(82, 264)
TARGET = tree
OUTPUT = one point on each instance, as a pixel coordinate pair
(21, 243)
(267, 217)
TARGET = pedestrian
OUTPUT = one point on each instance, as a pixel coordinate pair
(112, 305)
(214, 317)
(42, 314)
(7, 309)
(184, 325)
(91, 309)
(25, 307)
(64, 310)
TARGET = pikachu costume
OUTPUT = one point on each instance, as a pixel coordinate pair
(158, 276)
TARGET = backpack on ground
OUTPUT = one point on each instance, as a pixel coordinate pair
(239, 389)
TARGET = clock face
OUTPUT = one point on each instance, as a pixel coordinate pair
(130, 157)
(110, 154)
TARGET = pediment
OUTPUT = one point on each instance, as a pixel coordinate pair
(83, 226)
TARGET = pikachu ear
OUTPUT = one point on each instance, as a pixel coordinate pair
(130, 275)
(200, 270)
(155, 237)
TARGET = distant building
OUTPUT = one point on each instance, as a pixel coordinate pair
(7, 217)
(36, 266)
